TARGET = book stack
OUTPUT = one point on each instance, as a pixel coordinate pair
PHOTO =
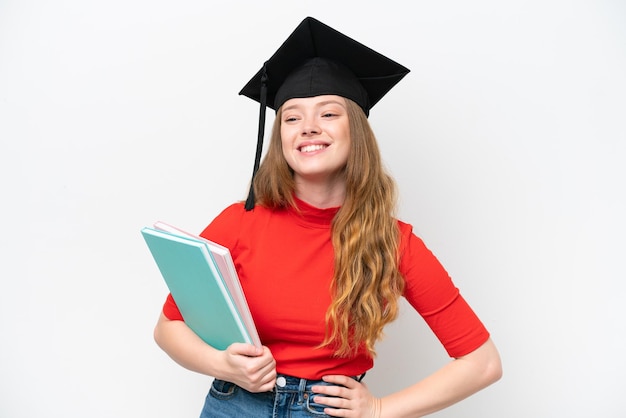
(202, 279)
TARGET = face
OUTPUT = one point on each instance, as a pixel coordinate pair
(315, 135)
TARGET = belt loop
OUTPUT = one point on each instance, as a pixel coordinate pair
(301, 390)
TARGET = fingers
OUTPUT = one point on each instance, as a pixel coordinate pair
(245, 350)
(266, 374)
(267, 383)
(250, 358)
(250, 367)
(341, 380)
(345, 397)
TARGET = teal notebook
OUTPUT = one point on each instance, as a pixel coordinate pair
(196, 285)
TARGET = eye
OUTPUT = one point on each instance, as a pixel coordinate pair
(328, 114)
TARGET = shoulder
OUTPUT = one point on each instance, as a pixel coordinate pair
(408, 237)
(234, 210)
(415, 255)
(224, 222)
(235, 216)
(239, 209)
(237, 212)
(235, 223)
(405, 228)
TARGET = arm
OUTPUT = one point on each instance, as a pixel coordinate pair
(430, 290)
(245, 365)
(452, 383)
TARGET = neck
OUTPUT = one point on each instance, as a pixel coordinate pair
(321, 195)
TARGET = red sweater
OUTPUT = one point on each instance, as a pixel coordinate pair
(285, 264)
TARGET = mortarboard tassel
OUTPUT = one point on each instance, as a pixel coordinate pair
(259, 144)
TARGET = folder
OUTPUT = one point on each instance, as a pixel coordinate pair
(203, 281)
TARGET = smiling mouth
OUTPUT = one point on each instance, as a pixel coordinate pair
(312, 148)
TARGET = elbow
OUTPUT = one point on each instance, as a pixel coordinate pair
(158, 333)
(492, 366)
(486, 364)
(493, 371)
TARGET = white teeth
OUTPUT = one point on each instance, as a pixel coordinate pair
(311, 148)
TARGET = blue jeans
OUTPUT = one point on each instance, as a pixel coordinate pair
(291, 398)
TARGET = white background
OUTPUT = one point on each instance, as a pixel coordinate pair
(507, 139)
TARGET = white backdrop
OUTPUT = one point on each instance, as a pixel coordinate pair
(507, 139)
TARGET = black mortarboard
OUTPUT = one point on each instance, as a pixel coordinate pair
(315, 60)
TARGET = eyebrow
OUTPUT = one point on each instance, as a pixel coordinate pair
(324, 103)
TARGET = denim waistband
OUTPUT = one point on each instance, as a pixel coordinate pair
(286, 383)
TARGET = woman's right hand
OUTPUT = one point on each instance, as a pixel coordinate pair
(245, 365)
(249, 367)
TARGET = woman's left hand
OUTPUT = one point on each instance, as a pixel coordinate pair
(346, 398)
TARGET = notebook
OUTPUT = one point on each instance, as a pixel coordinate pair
(203, 282)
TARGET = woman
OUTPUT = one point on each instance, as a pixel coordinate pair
(322, 259)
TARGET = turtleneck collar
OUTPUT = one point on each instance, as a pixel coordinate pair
(312, 215)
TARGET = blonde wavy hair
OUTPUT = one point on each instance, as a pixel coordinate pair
(366, 285)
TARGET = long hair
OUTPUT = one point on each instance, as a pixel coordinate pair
(366, 283)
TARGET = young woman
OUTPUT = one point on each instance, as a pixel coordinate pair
(323, 261)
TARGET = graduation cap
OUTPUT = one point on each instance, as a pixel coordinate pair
(318, 60)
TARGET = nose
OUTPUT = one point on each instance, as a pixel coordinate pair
(310, 127)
